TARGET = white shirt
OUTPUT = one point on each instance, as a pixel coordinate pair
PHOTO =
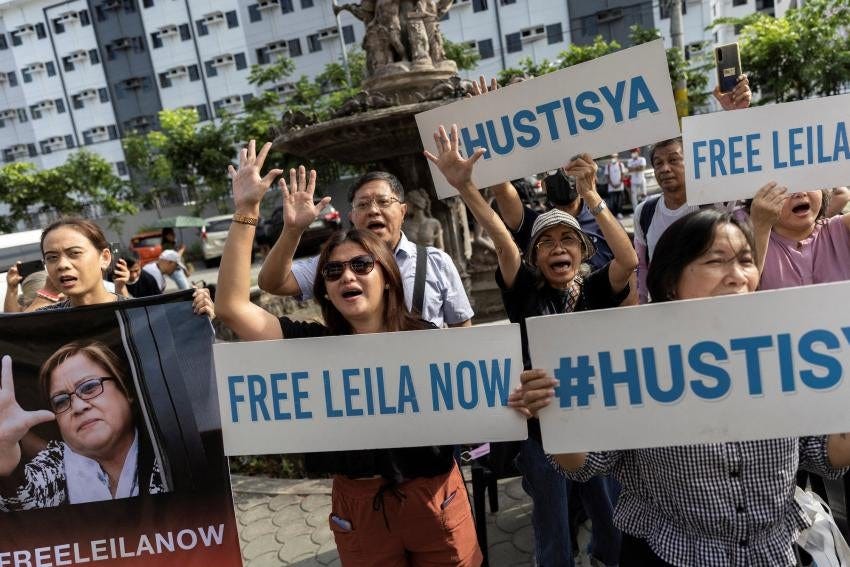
(615, 176)
(637, 176)
(662, 218)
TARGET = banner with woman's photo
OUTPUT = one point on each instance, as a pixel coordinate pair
(110, 438)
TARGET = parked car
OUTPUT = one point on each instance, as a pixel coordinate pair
(148, 245)
(213, 236)
(317, 233)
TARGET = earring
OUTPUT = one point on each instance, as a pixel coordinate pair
(386, 286)
(327, 296)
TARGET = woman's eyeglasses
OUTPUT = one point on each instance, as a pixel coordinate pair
(92, 388)
(548, 244)
(360, 265)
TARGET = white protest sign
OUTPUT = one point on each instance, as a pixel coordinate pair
(754, 366)
(623, 100)
(415, 388)
(802, 145)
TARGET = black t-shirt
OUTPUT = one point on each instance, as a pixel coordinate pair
(145, 286)
(392, 464)
(530, 296)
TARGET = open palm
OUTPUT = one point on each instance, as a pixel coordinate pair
(456, 169)
(248, 186)
(298, 207)
(15, 421)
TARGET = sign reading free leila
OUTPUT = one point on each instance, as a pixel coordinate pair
(386, 390)
(620, 101)
(744, 367)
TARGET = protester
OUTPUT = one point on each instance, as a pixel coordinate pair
(16, 301)
(838, 201)
(77, 256)
(637, 187)
(615, 173)
(101, 455)
(716, 504)
(389, 507)
(798, 243)
(139, 282)
(168, 264)
(550, 282)
(377, 205)
(168, 242)
(654, 215)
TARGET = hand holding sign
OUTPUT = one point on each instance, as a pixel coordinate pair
(456, 169)
(15, 422)
(739, 97)
(538, 390)
(583, 168)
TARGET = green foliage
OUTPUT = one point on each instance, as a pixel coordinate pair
(277, 466)
(465, 56)
(84, 179)
(576, 54)
(803, 54)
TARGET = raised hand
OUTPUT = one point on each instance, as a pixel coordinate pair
(583, 168)
(298, 207)
(538, 390)
(13, 278)
(456, 169)
(480, 86)
(202, 303)
(15, 422)
(248, 186)
(767, 204)
(740, 97)
(121, 276)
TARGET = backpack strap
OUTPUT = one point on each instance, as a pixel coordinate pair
(419, 281)
(646, 214)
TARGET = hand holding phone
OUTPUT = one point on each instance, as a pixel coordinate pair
(727, 59)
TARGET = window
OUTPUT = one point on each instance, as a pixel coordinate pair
(240, 60)
(16, 39)
(84, 18)
(67, 64)
(94, 57)
(295, 47)
(554, 33)
(202, 28)
(77, 101)
(69, 141)
(203, 112)
(12, 78)
(185, 32)
(3, 43)
(211, 71)
(22, 115)
(513, 42)
(254, 14)
(103, 93)
(506, 2)
(27, 77)
(51, 68)
(164, 81)
(485, 48)
(479, 5)
(40, 31)
(313, 43)
(262, 56)
(286, 6)
(739, 2)
(306, 4)
(58, 27)
(194, 74)
(60, 106)
(232, 19)
(147, 3)
(121, 166)
(156, 41)
(348, 34)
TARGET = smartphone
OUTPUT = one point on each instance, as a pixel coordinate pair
(115, 249)
(27, 268)
(560, 188)
(727, 59)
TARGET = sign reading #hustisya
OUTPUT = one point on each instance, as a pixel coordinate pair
(802, 145)
(745, 367)
(386, 390)
(619, 101)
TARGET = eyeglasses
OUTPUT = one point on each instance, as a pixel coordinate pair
(92, 388)
(383, 202)
(360, 265)
(548, 244)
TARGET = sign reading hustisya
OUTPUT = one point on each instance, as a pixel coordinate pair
(619, 101)
(387, 390)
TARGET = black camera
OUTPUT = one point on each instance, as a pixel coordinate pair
(560, 188)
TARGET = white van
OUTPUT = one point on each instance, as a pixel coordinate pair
(19, 246)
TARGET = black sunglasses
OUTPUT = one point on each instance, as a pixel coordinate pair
(360, 265)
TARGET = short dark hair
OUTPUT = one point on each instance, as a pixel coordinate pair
(391, 180)
(683, 242)
(664, 144)
(130, 256)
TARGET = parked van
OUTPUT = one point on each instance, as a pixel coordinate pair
(15, 247)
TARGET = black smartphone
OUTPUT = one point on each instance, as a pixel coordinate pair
(115, 249)
(560, 188)
(28, 268)
(727, 59)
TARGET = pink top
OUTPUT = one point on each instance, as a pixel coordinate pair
(822, 257)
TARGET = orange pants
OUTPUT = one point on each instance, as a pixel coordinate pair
(424, 522)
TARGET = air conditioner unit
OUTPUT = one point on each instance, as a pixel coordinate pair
(277, 47)
(532, 33)
(55, 142)
(608, 16)
(139, 122)
(328, 33)
(67, 17)
(79, 55)
(222, 60)
(168, 30)
(214, 18)
(87, 93)
(8, 114)
(19, 150)
(472, 44)
(45, 105)
(178, 71)
(123, 43)
(3, 78)
(25, 29)
(267, 4)
(234, 100)
(35, 67)
(112, 4)
(133, 83)
(283, 89)
(98, 131)
(458, 3)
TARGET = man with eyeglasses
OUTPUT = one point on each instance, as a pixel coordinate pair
(377, 204)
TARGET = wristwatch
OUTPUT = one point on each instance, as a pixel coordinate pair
(598, 208)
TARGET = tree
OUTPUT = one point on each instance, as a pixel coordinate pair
(805, 53)
(465, 57)
(573, 55)
(84, 180)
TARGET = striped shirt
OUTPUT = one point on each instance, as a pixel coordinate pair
(719, 504)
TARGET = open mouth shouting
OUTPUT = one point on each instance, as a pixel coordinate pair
(67, 282)
(377, 226)
(801, 209)
(560, 265)
(351, 294)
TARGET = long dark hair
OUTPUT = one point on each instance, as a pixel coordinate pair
(397, 317)
(683, 242)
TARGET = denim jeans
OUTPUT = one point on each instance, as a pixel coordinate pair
(549, 492)
(178, 276)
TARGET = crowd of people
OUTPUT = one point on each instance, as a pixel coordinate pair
(730, 504)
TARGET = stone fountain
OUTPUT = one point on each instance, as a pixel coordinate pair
(406, 73)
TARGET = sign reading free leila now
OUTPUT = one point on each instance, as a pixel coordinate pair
(384, 390)
(743, 367)
(620, 101)
(802, 145)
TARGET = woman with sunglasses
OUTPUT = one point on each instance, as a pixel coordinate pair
(551, 281)
(389, 506)
(101, 455)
